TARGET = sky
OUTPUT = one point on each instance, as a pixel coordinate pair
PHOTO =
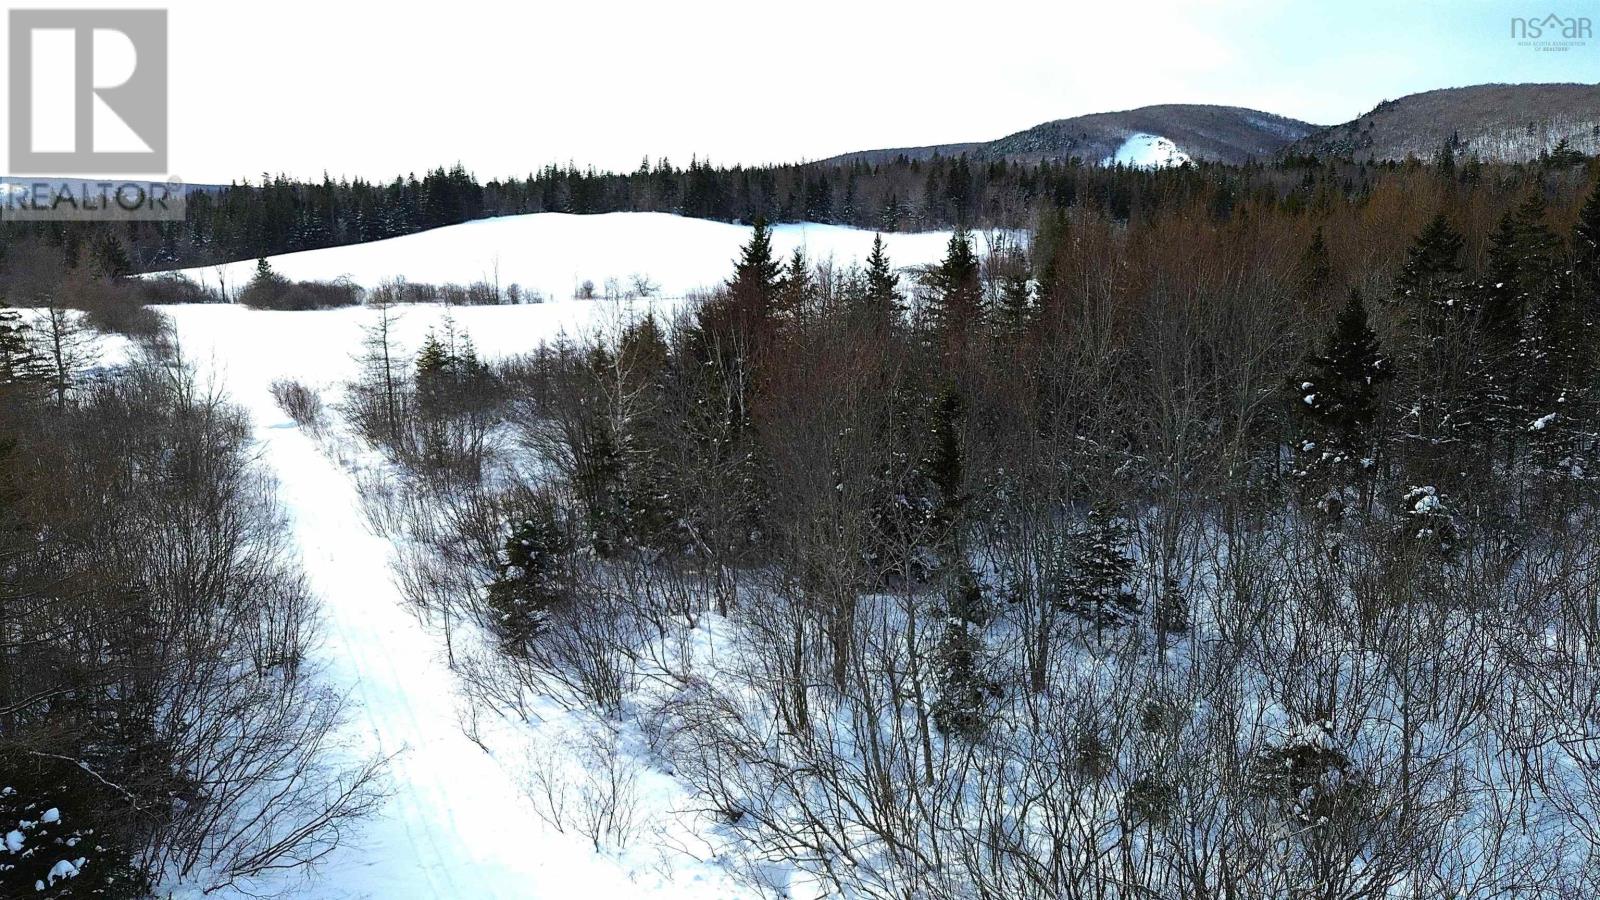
(375, 89)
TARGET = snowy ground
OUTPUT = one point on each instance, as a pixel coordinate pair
(458, 824)
(554, 253)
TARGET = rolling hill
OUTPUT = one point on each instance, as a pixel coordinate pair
(1503, 122)
(1228, 134)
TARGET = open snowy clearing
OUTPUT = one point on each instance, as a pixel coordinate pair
(553, 254)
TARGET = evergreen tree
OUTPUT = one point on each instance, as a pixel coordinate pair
(598, 465)
(1586, 243)
(651, 493)
(944, 467)
(1439, 397)
(881, 295)
(959, 665)
(19, 363)
(1337, 399)
(962, 683)
(1014, 306)
(1524, 274)
(1558, 399)
(529, 584)
(756, 274)
(1315, 270)
(796, 289)
(957, 288)
(1094, 581)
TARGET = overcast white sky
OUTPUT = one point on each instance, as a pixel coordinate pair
(376, 89)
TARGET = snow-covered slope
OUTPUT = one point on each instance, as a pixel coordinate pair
(554, 253)
(1147, 151)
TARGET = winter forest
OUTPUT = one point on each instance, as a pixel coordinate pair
(1197, 532)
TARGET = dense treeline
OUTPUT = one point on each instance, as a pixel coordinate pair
(1242, 552)
(278, 215)
(159, 722)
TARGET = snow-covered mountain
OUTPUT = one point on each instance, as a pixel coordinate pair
(1228, 134)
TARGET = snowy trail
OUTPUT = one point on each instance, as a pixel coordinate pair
(457, 825)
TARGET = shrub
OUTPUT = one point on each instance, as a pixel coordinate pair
(172, 288)
(300, 403)
(275, 292)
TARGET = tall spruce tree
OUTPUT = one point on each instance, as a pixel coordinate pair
(1586, 243)
(1315, 270)
(756, 273)
(1337, 399)
(960, 667)
(1014, 307)
(796, 288)
(1438, 397)
(1094, 580)
(957, 301)
(19, 362)
(1525, 267)
(881, 292)
(1559, 362)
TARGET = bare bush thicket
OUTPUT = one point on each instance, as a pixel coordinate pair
(155, 632)
(301, 403)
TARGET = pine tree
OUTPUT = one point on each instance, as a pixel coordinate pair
(1558, 398)
(944, 467)
(796, 289)
(1586, 243)
(1524, 275)
(1014, 306)
(19, 363)
(963, 685)
(881, 296)
(1094, 581)
(1337, 400)
(435, 374)
(1439, 396)
(959, 658)
(651, 493)
(529, 584)
(957, 288)
(756, 274)
(1315, 270)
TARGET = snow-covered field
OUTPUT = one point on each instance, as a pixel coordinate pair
(553, 254)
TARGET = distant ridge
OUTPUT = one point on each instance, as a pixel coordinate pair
(1502, 122)
(1228, 134)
